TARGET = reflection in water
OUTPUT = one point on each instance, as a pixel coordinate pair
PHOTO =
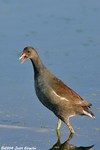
(67, 146)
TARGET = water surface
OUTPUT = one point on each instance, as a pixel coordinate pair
(66, 35)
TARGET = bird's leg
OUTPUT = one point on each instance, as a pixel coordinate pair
(58, 124)
(58, 135)
(70, 128)
(57, 129)
(70, 137)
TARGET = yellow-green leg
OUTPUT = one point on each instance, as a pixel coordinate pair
(58, 124)
(70, 128)
(70, 137)
(57, 129)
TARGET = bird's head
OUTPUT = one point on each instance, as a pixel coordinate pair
(28, 52)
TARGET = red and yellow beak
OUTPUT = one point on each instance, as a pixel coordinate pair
(23, 57)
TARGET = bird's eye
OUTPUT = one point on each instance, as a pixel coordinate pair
(28, 51)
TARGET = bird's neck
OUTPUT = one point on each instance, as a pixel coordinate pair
(38, 66)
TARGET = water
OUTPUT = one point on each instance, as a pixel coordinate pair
(67, 32)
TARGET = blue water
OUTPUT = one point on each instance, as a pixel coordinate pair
(66, 35)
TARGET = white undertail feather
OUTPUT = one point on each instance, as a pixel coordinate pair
(88, 114)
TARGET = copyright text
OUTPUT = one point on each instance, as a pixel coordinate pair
(17, 148)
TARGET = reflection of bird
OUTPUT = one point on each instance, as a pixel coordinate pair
(67, 146)
(53, 93)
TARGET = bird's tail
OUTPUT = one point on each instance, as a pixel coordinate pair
(87, 112)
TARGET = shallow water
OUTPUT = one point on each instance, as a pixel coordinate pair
(67, 32)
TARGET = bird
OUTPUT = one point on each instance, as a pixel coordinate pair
(53, 93)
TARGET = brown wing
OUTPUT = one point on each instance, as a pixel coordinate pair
(64, 91)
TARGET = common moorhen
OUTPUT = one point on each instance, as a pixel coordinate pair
(54, 93)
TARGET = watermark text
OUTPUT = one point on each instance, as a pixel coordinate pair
(17, 148)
